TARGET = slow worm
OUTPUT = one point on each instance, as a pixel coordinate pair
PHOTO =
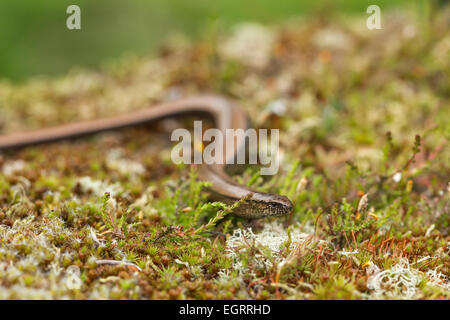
(225, 115)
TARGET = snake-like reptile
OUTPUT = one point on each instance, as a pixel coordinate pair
(225, 115)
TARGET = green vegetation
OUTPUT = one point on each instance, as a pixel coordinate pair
(364, 130)
(35, 40)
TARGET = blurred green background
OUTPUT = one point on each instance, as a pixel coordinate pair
(34, 38)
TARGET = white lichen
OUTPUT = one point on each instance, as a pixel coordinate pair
(401, 281)
(99, 188)
(116, 161)
(273, 237)
(251, 44)
(11, 167)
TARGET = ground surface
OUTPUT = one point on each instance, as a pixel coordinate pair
(364, 121)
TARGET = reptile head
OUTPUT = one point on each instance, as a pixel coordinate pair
(261, 205)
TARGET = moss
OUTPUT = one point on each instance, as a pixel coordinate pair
(364, 145)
